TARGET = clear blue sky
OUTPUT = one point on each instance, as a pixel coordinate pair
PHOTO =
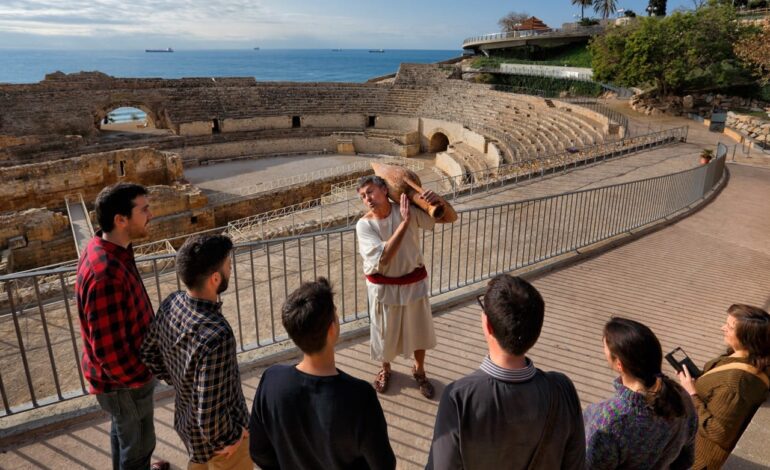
(218, 24)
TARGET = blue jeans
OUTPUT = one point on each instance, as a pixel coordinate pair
(132, 434)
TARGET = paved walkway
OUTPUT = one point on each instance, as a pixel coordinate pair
(678, 280)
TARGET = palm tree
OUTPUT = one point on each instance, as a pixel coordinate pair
(605, 7)
(583, 4)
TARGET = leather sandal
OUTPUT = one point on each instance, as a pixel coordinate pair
(381, 381)
(426, 388)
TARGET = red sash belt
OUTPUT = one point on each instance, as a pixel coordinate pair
(415, 276)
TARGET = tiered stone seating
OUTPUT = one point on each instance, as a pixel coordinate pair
(522, 126)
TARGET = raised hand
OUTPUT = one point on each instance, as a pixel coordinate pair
(228, 451)
(431, 197)
(405, 214)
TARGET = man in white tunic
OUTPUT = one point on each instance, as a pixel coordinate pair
(397, 281)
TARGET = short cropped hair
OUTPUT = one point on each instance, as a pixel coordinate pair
(371, 179)
(117, 199)
(201, 256)
(307, 314)
(514, 310)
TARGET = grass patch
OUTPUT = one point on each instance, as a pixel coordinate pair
(546, 86)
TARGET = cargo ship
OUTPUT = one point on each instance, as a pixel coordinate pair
(168, 49)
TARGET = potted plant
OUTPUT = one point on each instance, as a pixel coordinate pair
(705, 156)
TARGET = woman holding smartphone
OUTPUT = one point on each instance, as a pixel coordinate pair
(732, 386)
(650, 422)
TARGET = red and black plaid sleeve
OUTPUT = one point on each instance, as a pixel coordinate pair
(114, 312)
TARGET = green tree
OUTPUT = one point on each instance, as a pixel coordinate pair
(754, 49)
(684, 51)
(583, 4)
(605, 8)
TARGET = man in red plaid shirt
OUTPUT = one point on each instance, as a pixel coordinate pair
(115, 312)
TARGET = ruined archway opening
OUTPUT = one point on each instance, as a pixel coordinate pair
(128, 121)
(438, 142)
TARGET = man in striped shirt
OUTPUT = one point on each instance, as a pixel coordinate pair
(115, 311)
(191, 346)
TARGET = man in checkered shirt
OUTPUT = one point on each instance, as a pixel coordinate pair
(191, 346)
(115, 311)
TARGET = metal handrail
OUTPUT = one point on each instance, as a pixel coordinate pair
(483, 242)
(493, 37)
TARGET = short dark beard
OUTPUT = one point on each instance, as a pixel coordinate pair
(223, 283)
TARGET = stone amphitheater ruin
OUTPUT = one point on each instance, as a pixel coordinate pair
(458, 136)
(52, 150)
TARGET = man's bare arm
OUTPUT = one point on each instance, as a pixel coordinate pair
(391, 246)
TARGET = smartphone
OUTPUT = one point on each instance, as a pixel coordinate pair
(679, 359)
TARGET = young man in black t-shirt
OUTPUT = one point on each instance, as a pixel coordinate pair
(313, 415)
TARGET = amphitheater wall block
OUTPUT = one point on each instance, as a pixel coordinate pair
(455, 133)
(412, 138)
(255, 123)
(47, 184)
(32, 224)
(255, 148)
(401, 123)
(175, 226)
(37, 253)
(195, 128)
(429, 127)
(450, 167)
(383, 146)
(334, 121)
(493, 156)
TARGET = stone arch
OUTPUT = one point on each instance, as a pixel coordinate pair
(438, 142)
(154, 118)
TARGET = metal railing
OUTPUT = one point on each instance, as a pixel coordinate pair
(340, 208)
(40, 354)
(495, 37)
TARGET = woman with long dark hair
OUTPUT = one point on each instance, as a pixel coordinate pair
(732, 386)
(650, 422)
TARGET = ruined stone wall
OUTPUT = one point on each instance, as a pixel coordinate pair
(32, 224)
(252, 148)
(59, 249)
(748, 126)
(383, 146)
(402, 123)
(74, 104)
(256, 123)
(247, 206)
(334, 121)
(47, 184)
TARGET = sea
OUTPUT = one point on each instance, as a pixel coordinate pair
(296, 65)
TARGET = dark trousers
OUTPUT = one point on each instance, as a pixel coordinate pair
(132, 434)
